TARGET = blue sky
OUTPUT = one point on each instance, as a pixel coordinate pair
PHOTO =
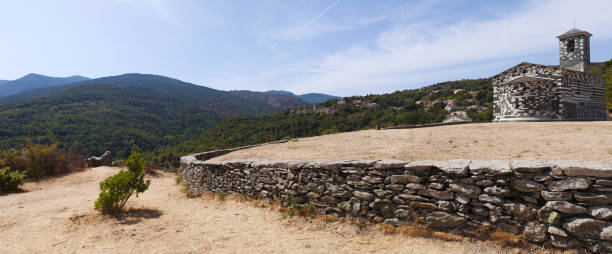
(341, 47)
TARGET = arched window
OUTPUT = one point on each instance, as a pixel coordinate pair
(570, 46)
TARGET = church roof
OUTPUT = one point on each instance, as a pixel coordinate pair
(526, 79)
(574, 32)
(552, 68)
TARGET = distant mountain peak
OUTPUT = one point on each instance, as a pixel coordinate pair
(312, 98)
(33, 81)
(283, 92)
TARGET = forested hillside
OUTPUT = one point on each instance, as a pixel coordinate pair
(419, 106)
(120, 114)
(166, 118)
(281, 101)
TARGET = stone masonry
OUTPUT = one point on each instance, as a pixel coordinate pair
(532, 92)
(567, 204)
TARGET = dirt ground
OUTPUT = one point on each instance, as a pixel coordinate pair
(56, 216)
(588, 141)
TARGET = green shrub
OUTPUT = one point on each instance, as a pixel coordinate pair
(14, 159)
(10, 180)
(45, 160)
(116, 190)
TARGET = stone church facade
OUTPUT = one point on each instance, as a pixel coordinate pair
(533, 92)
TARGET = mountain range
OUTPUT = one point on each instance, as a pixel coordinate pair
(120, 113)
(165, 117)
(34, 81)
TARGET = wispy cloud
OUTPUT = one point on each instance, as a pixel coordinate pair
(307, 28)
(414, 53)
(312, 21)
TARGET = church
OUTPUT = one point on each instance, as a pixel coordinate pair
(533, 92)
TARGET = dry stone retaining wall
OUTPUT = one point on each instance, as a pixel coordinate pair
(564, 203)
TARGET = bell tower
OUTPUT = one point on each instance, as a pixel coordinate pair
(574, 50)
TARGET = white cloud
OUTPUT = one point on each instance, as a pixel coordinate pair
(414, 53)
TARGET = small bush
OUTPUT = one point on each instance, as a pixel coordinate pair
(116, 190)
(10, 180)
(45, 160)
(15, 160)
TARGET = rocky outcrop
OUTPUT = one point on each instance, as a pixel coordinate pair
(562, 203)
(104, 160)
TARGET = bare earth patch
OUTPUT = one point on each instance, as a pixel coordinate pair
(587, 141)
(57, 216)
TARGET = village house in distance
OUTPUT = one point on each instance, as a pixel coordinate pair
(533, 92)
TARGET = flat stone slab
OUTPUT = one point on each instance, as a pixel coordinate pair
(492, 167)
(577, 168)
(388, 164)
(420, 166)
(455, 167)
(524, 185)
(444, 220)
(530, 165)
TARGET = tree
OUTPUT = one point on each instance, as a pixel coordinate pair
(116, 190)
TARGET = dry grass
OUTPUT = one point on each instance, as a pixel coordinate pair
(547, 140)
(57, 216)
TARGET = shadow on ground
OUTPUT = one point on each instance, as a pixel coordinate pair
(136, 215)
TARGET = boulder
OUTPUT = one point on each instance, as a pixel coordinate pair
(373, 179)
(498, 191)
(491, 167)
(341, 194)
(570, 184)
(556, 196)
(593, 198)
(523, 212)
(363, 195)
(556, 231)
(406, 178)
(468, 190)
(444, 220)
(104, 160)
(402, 213)
(601, 212)
(490, 199)
(588, 228)
(419, 166)
(462, 199)
(423, 205)
(566, 207)
(388, 164)
(413, 197)
(443, 195)
(530, 165)
(393, 222)
(454, 167)
(535, 232)
(524, 185)
(329, 200)
(604, 182)
(577, 168)
(415, 186)
(563, 242)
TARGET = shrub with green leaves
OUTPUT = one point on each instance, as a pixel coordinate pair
(10, 180)
(116, 190)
